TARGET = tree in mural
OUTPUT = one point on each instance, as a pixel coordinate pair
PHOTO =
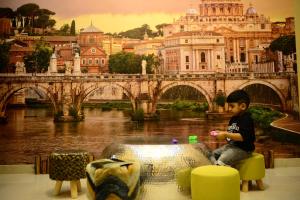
(39, 60)
(153, 63)
(6, 13)
(29, 16)
(4, 58)
(28, 12)
(285, 44)
(139, 32)
(159, 28)
(72, 30)
(43, 21)
(125, 63)
(130, 63)
(64, 29)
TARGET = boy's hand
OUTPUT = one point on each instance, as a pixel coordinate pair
(221, 135)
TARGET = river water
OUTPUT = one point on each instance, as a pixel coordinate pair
(31, 132)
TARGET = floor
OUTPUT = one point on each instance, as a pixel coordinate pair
(281, 183)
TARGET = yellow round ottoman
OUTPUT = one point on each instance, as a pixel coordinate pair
(213, 182)
(252, 168)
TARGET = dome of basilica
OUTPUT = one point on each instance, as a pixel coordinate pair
(192, 11)
(91, 29)
(251, 11)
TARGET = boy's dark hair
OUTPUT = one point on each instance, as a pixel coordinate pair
(239, 96)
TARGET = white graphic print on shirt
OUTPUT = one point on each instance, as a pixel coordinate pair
(231, 129)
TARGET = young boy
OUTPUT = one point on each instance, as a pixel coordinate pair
(240, 133)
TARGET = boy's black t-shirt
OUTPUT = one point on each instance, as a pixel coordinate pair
(244, 125)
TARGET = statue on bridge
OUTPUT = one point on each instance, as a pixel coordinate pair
(53, 64)
(144, 65)
(76, 68)
(289, 64)
(68, 70)
(20, 68)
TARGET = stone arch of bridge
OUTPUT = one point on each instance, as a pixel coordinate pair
(268, 84)
(5, 98)
(193, 85)
(95, 87)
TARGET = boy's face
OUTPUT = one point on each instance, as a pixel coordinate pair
(236, 108)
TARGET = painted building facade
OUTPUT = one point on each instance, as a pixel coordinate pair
(282, 28)
(112, 45)
(93, 57)
(246, 34)
(148, 46)
(193, 52)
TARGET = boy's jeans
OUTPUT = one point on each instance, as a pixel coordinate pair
(228, 155)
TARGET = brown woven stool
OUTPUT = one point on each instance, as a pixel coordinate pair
(68, 166)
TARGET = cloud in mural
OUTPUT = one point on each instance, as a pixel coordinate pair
(120, 15)
(71, 8)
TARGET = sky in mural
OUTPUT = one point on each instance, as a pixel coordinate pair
(121, 15)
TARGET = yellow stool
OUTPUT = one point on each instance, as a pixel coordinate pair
(213, 182)
(252, 168)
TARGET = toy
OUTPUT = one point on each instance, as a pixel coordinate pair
(174, 141)
(193, 139)
(214, 133)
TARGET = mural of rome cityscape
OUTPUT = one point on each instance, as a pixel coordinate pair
(90, 75)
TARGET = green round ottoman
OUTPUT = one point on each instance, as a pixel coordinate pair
(252, 168)
(213, 182)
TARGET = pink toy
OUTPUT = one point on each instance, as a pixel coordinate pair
(213, 133)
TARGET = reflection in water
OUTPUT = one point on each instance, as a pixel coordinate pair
(32, 132)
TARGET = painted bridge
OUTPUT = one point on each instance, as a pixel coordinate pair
(67, 92)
